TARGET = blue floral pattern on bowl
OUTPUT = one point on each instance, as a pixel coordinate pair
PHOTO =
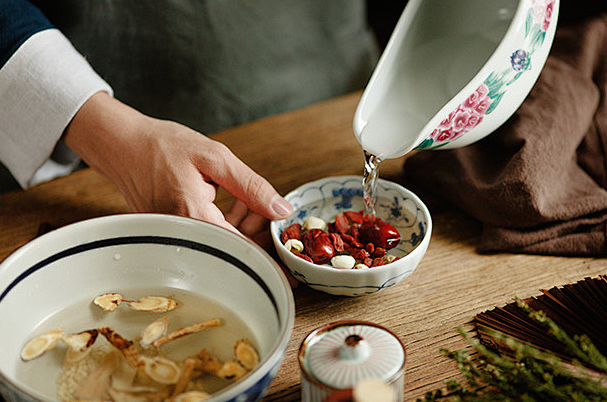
(326, 198)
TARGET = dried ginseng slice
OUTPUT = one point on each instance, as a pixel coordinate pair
(155, 330)
(231, 370)
(153, 304)
(160, 369)
(79, 344)
(246, 354)
(41, 344)
(123, 345)
(108, 301)
(191, 329)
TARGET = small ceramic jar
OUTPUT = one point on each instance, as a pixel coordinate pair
(341, 354)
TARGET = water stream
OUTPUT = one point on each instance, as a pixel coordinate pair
(370, 175)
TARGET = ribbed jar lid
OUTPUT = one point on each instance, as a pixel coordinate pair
(341, 354)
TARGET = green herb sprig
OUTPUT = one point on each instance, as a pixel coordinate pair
(528, 374)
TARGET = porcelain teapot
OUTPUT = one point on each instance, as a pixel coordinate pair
(453, 72)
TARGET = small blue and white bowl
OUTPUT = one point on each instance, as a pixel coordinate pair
(329, 196)
(51, 282)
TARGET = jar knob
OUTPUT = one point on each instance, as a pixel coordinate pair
(354, 349)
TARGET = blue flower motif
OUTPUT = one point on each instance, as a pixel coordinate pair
(417, 238)
(520, 60)
(346, 195)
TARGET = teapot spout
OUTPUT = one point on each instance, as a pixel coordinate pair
(391, 132)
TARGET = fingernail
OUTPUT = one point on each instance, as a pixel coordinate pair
(281, 207)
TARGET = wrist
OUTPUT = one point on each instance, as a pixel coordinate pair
(100, 130)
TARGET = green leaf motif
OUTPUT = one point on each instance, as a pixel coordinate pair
(495, 102)
(528, 22)
(427, 143)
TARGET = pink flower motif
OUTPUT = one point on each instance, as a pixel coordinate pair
(446, 123)
(542, 12)
(460, 121)
(445, 135)
(465, 117)
(482, 106)
(547, 16)
(482, 90)
(471, 101)
(474, 121)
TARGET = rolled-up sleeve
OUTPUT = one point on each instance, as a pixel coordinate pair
(43, 82)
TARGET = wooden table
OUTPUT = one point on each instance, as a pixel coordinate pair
(451, 284)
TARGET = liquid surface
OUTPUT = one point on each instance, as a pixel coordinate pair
(42, 373)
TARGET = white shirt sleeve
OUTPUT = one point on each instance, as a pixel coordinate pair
(42, 86)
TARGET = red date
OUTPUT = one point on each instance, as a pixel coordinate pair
(363, 237)
(380, 233)
(318, 245)
(291, 232)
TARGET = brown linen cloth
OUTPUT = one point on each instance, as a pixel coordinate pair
(538, 183)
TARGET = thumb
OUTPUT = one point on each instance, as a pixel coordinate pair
(252, 189)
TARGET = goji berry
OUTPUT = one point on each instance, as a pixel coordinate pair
(354, 216)
(338, 243)
(291, 232)
(360, 254)
(379, 252)
(304, 257)
(341, 223)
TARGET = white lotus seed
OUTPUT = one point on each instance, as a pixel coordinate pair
(294, 245)
(360, 266)
(389, 258)
(343, 261)
(313, 222)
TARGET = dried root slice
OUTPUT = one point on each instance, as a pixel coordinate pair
(79, 345)
(153, 304)
(123, 345)
(246, 354)
(191, 396)
(187, 372)
(82, 340)
(41, 344)
(207, 363)
(160, 369)
(108, 301)
(231, 370)
(186, 330)
(155, 330)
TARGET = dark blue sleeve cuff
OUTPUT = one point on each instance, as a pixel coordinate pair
(18, 21)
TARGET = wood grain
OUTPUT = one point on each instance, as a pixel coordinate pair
(451, 284)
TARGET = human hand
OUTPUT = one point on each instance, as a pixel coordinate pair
(162, 166)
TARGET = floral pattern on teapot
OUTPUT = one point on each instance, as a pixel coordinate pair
(487, 96)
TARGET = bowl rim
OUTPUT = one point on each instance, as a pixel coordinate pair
(353, 272)
(267, 366)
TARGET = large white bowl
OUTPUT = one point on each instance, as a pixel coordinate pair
(325, 198)
(58, 274)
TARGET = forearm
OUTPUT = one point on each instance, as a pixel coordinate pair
(102, 128)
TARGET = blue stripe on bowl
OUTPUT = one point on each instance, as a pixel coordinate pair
(171, 241)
